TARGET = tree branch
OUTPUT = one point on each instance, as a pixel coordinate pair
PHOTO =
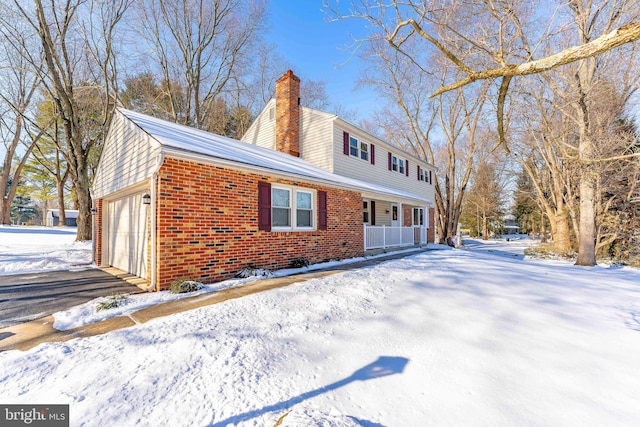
(625, 34)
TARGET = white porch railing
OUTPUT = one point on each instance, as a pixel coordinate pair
(382, 236)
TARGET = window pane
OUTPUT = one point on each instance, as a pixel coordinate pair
(394, 160)
(281, 198)
(281, 217)
(303, 200)
(364, 151)
(353, 146)
(303, 218)
(365, 217)
(401, 166)
(365, 204)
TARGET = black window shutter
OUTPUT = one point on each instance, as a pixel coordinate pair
(390, 167)
(322, 210)
(373, 154)
(430, 178)
(345, 143)
(372, 213)
(406, 169)
(418, 169)
(264, 206)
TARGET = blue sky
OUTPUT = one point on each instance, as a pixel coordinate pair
(316, 49)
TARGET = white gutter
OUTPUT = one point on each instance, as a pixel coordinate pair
(154, 225)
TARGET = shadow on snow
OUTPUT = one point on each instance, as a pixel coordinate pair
(382, 367)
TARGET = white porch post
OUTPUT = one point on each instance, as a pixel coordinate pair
(364, 227)
(400, 222)
(384, 237)
(426, 222)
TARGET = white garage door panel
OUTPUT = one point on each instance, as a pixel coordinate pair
(127, 230)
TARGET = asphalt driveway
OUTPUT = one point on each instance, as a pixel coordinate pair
(25, 297)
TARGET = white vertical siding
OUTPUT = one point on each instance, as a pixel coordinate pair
(129, 157)
(379, 173)
(383, 213)
(262, 131)
(316, 133)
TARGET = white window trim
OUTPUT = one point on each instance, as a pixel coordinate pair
(352, 147)
(358, 148)
(293, 201)
(366, 209)
(360, 145)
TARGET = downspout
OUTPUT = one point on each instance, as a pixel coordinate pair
(154, 225)
(93, 231)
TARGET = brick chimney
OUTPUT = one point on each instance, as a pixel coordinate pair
(288, 114)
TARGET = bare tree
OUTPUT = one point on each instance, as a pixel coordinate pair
(69, 75)
(20, 84)
(488, 40)
(196, 47)
(411, 119)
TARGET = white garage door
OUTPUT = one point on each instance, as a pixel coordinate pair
(127, 234)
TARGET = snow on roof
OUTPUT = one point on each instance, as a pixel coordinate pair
(209, 145)
(69, 213)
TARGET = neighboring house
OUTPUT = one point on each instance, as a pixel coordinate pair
(343, 148)
(53, 217)
(510, 224)
(174, 202)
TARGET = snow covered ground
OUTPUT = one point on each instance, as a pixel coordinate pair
(29, 249)
(475, 336)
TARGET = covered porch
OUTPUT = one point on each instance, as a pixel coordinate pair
(390, 224)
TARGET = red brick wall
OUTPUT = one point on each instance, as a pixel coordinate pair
(288, 114)
(208, 225)
(97, 232)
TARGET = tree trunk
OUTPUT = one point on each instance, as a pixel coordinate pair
(84, 203)
(6, 210)
(61, 210)
(543, 230)
(587, 242)
(562, 239)
(485, 227)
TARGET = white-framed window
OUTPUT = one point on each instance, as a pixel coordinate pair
(292, 208)
(364, 151)
(353, 146)
(401, 168)
(281, 207)
(394, 163)
(421, 174)
(304, 209)
(365, 212)
(358, 148)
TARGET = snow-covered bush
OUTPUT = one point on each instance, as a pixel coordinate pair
(182, 286)
(300, 262)
(112, 301)
(251, 270)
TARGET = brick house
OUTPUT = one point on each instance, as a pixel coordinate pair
(340, 147)
(175, 202)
